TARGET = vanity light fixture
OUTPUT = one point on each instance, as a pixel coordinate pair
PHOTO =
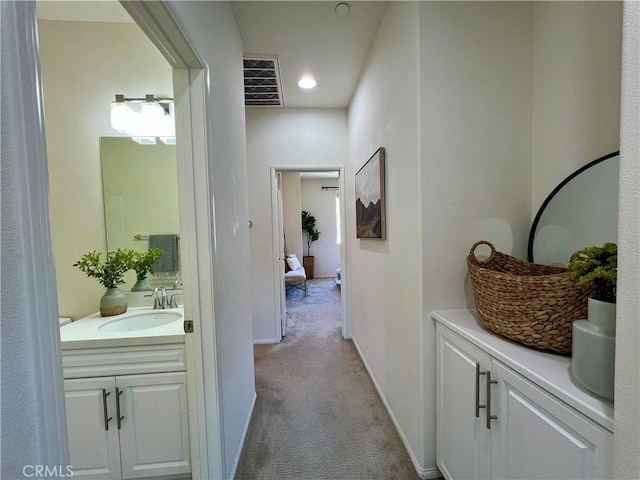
(143, 117)
(307, 82)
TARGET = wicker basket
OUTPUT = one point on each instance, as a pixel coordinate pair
(526, 302)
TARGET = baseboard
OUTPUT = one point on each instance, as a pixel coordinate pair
(429, 473)
(244, 437)
(322, 276)
(424, 473)
(264, 341)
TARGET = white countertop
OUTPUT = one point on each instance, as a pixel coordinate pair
(85, 332)
(550, 371)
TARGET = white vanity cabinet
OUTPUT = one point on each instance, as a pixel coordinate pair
(127, 426)
(507, 411)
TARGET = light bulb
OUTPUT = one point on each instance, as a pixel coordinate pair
(307, 82)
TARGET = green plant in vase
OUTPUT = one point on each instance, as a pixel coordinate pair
(597, 269)
(109, 274)
(142, 263)
(309, 226)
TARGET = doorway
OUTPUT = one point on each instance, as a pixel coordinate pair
(186, 77)
(318, 191)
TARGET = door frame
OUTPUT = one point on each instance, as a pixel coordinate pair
(278, 247)
(191, 96)
(279, 243)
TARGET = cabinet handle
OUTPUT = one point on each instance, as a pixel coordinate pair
(489, 416)
(478, 406)
(107, 418)
(120, 418)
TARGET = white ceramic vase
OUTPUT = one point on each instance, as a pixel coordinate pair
(594, 348)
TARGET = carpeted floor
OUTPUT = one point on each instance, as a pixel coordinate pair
(318, 415)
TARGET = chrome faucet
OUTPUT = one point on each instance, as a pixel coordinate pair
(172, 302)
(176, 283)
(160, 299)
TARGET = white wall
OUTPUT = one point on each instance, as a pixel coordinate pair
(33, 430)
(476, 104)
(322, 205)
(576, 88)
(385, 276)
(282, 137)
(84, 64)
(627, 388)
(292, 208)
(215, 37)
(459, 169)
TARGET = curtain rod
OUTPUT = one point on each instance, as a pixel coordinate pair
(329, 188)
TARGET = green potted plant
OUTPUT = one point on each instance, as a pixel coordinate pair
(597, 269)
(142, 263)
(593, 340)
(309, 227)
(110, 274)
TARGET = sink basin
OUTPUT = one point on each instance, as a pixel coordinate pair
(141, 321)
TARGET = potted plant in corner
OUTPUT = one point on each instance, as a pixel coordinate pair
(309, 226)
(142, 263)
(110, 274)
(593, 342)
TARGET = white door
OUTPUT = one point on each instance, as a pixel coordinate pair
(93, 435)
(154, 434)
(535, 436)
(463, 443)
(281, 240)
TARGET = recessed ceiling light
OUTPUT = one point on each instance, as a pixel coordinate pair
(307, 82)
(342, 9)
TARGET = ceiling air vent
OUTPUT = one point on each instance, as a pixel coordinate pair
(262, 86)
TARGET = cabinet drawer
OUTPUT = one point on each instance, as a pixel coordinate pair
(99, 362)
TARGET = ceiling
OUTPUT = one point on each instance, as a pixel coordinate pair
(310, 38)
(307, 37)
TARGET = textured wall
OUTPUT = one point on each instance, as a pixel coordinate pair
(286, 137)
(627, 389)
(33, 430)
(322, 205)
(291, 212)
(385, 274)
(215, 37)
(84, 64)
(576, 88)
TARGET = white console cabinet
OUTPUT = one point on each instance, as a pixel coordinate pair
(507, 411)
(127, 426)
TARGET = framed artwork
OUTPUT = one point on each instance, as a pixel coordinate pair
(370, 198)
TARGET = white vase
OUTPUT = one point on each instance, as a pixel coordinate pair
(594, 348)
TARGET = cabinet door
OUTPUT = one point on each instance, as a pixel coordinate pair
(462, 439)
(537, 436)
(154, 434)
(93, 439)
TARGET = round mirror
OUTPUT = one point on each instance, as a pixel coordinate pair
(581, 211)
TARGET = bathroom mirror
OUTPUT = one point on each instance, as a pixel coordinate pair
(140, 197)
(581, 211)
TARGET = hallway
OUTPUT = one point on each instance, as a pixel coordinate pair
(318, 415)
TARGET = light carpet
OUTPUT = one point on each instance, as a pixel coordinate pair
(318, 415)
